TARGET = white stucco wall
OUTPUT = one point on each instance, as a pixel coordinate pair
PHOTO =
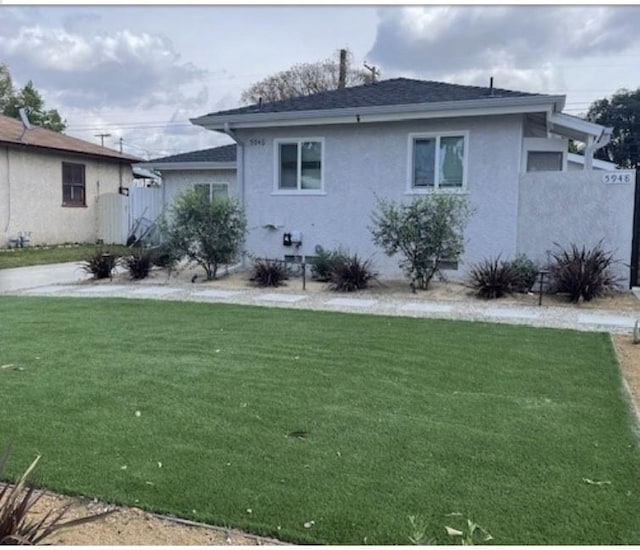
(31, 196)
(176, 181)
(576, 207)
(362, 161)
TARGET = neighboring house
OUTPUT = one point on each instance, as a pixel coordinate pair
(56, 189)
(313, 167)
(211, 170)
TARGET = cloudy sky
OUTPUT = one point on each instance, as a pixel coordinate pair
(140, 72)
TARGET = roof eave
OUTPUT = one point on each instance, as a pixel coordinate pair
(168, 166)
(441, 109)
(60, 150)
(573, 127)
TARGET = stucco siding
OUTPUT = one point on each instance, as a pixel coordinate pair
(361, 162)
(575, 207)
(31, 195)
(176, 181)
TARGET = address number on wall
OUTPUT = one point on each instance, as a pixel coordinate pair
(619, 176)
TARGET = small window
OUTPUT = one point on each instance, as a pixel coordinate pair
(73, 185)
(213, 191)
(437, 162)
(544, 161)
(299, 165)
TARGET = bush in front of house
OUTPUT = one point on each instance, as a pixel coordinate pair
(100, 264)
(164, 256)
(138, 264)
(527, 271)
(581, 273)
(324, 263)
(426, 233)
(268, 273)
(209, 233)
(492, 278)
(350, 273)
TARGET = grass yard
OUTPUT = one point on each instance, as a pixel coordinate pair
(22, 257)
(270, 419)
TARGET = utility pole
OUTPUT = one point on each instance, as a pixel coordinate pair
(102, 136)
(342, 78)
(374, 72)
(120, 145)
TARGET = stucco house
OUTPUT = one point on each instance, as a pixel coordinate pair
(213, 170)
(313, 166)
(55, 188)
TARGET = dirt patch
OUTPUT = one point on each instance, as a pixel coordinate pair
(629, 357)
(446, 291)
(134, 527)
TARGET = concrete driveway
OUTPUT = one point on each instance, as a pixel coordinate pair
(22, 278)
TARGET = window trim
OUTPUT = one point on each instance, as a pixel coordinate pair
(277, 142)
(211, 184)
(412, 137)
(84, 185)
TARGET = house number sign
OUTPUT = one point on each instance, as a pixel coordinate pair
(618, 176)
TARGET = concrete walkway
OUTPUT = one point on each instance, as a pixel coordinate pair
(63, 279)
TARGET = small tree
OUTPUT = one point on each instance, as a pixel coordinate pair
(207, 232)
(425, 232)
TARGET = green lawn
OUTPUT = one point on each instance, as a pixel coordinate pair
(21, 257)
(267, 419)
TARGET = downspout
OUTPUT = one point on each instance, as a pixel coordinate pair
(239, 170)
(593, 146)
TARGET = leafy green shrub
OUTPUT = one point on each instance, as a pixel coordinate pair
(17, 501)
(207, 232)
(426, 233)
(350, 273)
(164, 256)
(138, 264)
(100, 264)
(324, 262)
(492, 278)
(581, 273)
(268, 273)
(527, 271)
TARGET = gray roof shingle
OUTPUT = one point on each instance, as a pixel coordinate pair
(225, 153)
(397, 91)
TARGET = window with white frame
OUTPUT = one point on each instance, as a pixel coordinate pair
(213, 191)
(437, 161)
(299, 164)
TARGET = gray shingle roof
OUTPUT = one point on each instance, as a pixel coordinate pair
(225, 153)
(397, 91)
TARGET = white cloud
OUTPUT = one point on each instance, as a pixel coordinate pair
(120, 68)
(516, 42)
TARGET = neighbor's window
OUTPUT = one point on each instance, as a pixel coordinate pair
(299, 165)
(73, 185)
(438, 161)
(544, 161)
(213, 191)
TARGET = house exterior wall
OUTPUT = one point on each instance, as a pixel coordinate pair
(361, 162)
(176, 181)
(31, 196)
(576, 207)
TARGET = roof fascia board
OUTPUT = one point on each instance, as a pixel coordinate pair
(576, 125)
(70, 152)
(385, 113)
(168, 166)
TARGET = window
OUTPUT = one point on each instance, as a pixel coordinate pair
(299, 165)
(213, 191)
(73, 187)
(544, 161)
(437, 161)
